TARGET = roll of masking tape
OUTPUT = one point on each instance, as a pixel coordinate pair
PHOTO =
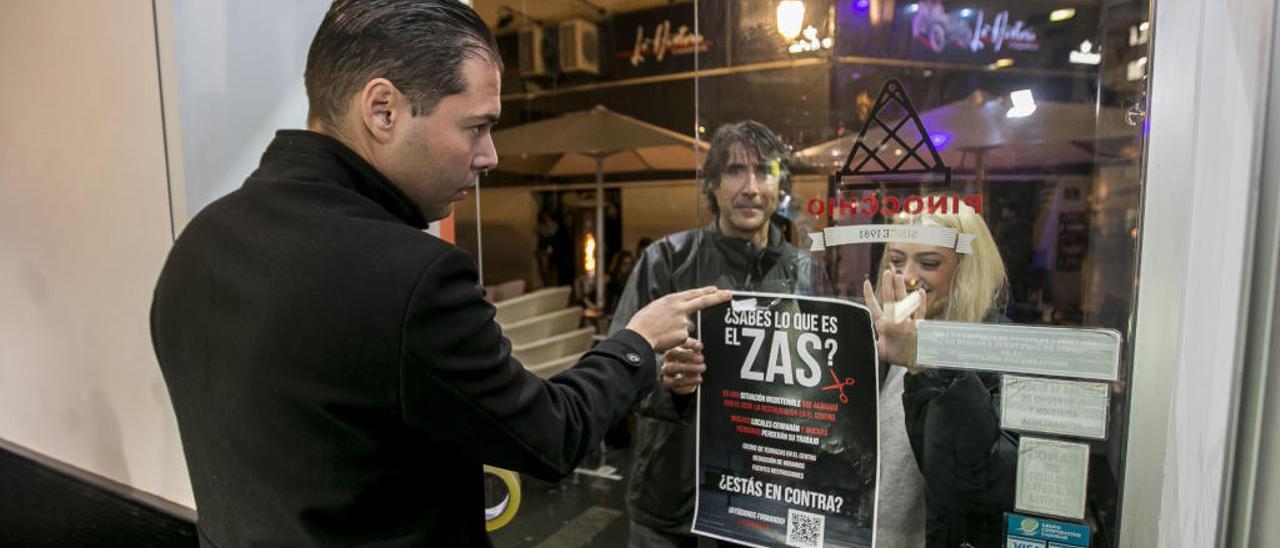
(501, 512)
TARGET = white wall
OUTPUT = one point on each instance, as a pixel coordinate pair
(237, 68)
(84, 228)
(1206, 112)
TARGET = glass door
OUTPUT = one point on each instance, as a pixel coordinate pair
(978, 166)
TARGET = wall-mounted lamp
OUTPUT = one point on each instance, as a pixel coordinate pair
(1003, 62)
(790, 15)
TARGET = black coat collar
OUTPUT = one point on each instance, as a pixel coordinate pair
(306, 155)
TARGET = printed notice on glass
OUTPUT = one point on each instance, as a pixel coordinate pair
(787, 423)
(1027, 349)
(1052, 477)
(1052, 406)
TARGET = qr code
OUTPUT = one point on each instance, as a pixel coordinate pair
(804, 530)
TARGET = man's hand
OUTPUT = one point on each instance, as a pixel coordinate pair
(682, 367)
(895, 341)
(665, 322)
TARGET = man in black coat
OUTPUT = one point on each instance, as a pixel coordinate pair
(337, 375)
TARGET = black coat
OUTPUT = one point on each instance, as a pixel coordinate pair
(337, 374)
(968, 462)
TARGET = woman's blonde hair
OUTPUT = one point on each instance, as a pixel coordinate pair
(978, 286)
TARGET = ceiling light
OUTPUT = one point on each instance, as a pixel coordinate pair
(1085, 55)
(1024, 104)
(1000, 63)
(790, 15)
(1062, 14)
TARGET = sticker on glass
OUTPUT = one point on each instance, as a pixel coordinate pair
(1052, 406)
(1028, 531)
(1083, 353)
(1052, 477)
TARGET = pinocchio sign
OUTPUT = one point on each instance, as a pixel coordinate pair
(893, 205)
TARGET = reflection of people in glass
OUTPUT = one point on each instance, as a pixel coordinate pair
(745, 175)
(619, 270)
(548, 233)
(949, 417)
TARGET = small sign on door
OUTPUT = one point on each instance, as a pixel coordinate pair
(1052, 477)
(1052, 406)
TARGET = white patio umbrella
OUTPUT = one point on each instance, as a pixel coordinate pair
(595, 141)
(978, 127)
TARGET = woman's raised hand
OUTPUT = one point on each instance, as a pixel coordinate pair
(895, 341)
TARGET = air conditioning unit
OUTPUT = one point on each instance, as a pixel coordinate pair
(530, 41)
(579, 46)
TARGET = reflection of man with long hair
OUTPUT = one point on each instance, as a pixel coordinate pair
(745, 176)
(948, 417)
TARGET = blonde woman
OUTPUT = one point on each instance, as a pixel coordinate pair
(965, 463)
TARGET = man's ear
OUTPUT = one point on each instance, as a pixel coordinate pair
(381, 108)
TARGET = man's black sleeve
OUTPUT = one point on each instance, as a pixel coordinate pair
(461, 387)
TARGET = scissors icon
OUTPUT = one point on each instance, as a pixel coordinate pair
(848, 381)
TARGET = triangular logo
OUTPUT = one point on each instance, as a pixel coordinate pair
(905, 154)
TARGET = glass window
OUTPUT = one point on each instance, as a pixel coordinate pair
(1029, 116)
(1016, 129)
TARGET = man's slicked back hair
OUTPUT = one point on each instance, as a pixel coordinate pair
(419, 45)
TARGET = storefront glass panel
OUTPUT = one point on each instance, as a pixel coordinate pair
(1030, 115)
(598, 156)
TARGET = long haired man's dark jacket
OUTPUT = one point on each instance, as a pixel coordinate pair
(660, 489)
